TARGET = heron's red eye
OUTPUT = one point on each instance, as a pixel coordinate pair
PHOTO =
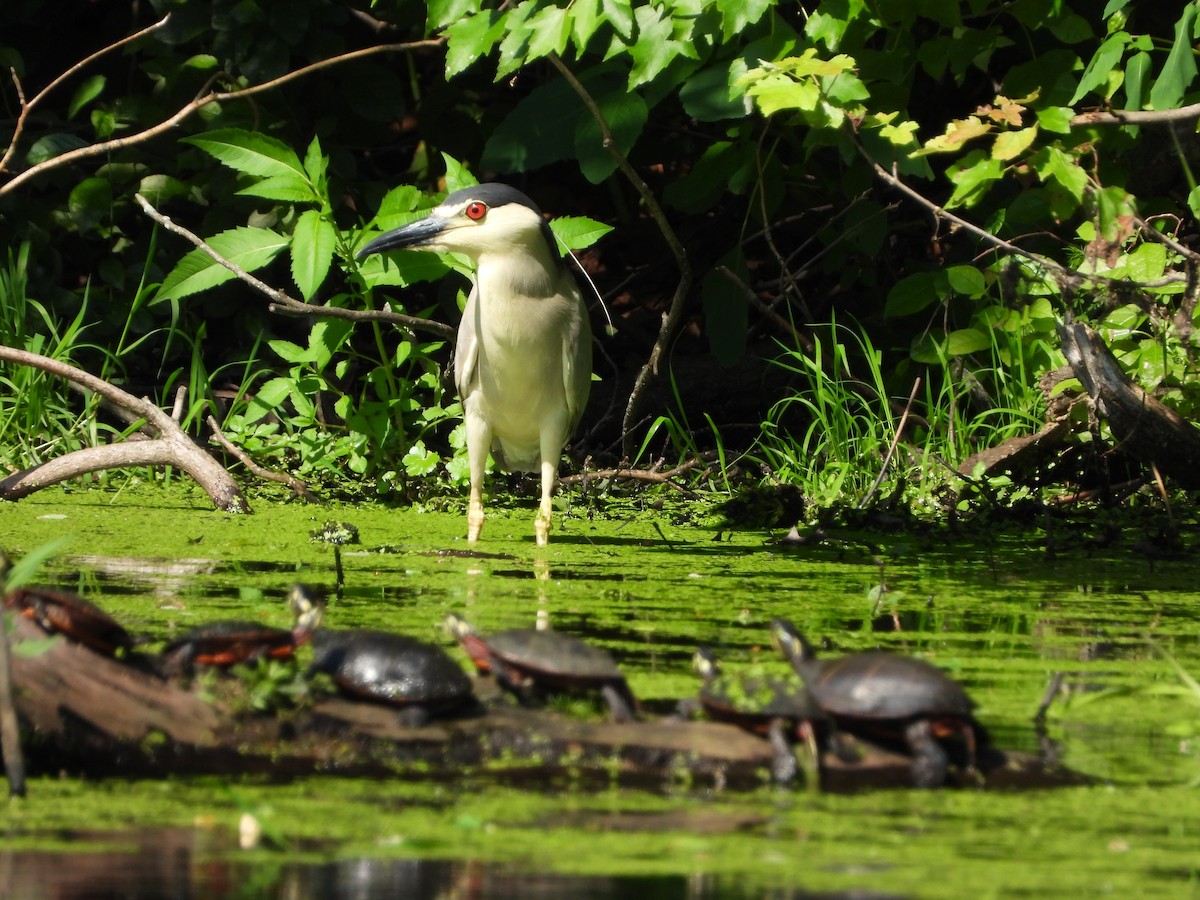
(476, 210)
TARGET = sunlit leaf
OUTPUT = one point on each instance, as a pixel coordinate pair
(248, 248)
(249, 152)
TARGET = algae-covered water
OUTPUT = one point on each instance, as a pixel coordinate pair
(1001, 613)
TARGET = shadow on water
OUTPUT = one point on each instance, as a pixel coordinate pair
(167, 864)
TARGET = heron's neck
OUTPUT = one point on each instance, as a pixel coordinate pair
(520, 272)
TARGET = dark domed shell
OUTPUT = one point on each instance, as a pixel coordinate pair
(552, 652)
(391, 668)
(885, 685)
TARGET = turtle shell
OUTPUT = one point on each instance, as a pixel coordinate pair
(391, 668)
(548, 656)
(753, 700)
(69, 614)
(224, 644)
(879, 685)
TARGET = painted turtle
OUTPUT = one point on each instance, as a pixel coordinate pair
(777, 705)
(59, 612)
(527, 662)
(225, 644)
(391, 668)
(888, 696)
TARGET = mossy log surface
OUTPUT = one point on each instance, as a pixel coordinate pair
(86, 714)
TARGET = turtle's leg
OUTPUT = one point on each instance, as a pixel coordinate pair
(413, 716)
(930, 761)
(520, 686)
(783, 768)
(621, 703)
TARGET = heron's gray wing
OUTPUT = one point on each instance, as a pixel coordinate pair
(577, 363)
(466, 352)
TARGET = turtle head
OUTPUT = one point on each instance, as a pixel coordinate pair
(791, 644)
(458, 628)
(308, 610)
(705, 663)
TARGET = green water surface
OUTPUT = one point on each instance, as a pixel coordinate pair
(998, 612)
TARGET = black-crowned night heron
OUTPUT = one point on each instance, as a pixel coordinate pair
(523, 366)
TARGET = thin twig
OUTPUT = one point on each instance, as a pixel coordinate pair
(648, 475)
(288, 305)
(754, 300)
(299, 488)
(1068, 275)
(26, 108)
(674, 314)
(204, 99)
(887, 458)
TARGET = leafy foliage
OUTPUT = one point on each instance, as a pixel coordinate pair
(811, 159)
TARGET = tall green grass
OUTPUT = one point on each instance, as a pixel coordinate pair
(835, 436)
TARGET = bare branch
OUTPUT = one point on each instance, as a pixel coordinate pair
(1137, 116)
(204, 99)
(1064, 273)
(171, 448)
(286, 304)
(299, 488)
(26, 108)
(674, 314)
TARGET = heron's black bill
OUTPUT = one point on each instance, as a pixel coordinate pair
(411, 235)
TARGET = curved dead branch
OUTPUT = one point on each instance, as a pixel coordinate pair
(170, 445)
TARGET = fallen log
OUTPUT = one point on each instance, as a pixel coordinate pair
(1144, 428)
(91, 715)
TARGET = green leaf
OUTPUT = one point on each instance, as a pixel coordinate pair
(312, 246)
(249, 152)
(441, 13)
(52, 145)
(655, 48)
(91, 88)
(1103, 63)
(778, 92)
(966, 280)
(737, 15)
(706, 96)
(249, 248)
(626, 114)
(291, 353)
(1137, 76)
(578, 232)
(326, 338)
(551, 30)
(966, 340)
(24, 570)
(471, 39)
(1179, 71)
(1053, 164)
(1056, 119)
(268, 398)
(1011, 144)
(586, 17)
(289, 188)
(971, 176)
(619, 14)
(914, 293)
(514, 49)
(457, 175)
(315, 162)
(539, 130)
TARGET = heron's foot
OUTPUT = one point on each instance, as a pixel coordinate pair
(474, 521)
(541, 528)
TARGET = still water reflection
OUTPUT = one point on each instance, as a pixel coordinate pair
(181, 864)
